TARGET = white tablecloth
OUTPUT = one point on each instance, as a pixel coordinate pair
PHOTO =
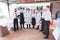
(56, 32)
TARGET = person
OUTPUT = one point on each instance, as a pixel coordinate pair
(43, 21)
(15, 21)
(33, 18)
(22, 18)
(57, 15)
(38, 17)
(47, 21)
(28, 18)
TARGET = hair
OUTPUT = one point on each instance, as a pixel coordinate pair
(34, 11)
(37, 8)
(28, 9)
(15, 9)
(48, 6)
(22, 8)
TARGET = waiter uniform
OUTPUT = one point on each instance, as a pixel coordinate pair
(15, 21)
(43, 21)
(22, 20)
(47, 23)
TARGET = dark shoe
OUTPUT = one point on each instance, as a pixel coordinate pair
(27, 26)
(41, 30)
(33, 27)
(37, 28)
(30, 27)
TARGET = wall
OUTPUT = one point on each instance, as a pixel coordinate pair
(55, 7)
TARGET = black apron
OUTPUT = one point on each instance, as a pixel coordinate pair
(33, 21)
(21, 18)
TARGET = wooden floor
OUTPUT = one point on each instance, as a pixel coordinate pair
(26, 34)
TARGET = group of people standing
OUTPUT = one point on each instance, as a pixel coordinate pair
(33, 17)
(28, 16)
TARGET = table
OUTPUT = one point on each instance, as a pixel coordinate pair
(56, 32)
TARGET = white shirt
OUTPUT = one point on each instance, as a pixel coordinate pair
(48, 16)
(14, 15)
(33, 15)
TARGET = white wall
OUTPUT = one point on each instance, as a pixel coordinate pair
(4, 12)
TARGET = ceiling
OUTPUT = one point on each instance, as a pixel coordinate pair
(22, 1)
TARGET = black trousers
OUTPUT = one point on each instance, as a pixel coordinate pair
(43, 24)
(46, 28)
(15, 24)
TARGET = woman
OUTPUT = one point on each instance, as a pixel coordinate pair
(28, 18)
(33, 19)
(47, 19)
(38, 18)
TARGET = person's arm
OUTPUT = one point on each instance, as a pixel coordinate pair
(18, 15)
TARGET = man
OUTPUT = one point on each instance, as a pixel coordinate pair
(43, 21)
(47, 21)
(15, 20)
